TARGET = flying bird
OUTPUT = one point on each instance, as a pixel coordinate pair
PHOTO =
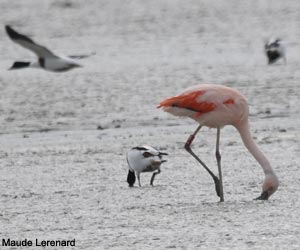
(143, 159)
(46, 59)
(275, 50)
(216, 106)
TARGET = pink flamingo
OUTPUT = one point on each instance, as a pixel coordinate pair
(215, 106)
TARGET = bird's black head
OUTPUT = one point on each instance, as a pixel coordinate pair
(19, 65)
(131, 178)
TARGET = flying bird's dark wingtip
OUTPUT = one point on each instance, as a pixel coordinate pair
(11, 33)
(7, 28)
(14, 35)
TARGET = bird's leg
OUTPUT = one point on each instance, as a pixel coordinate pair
(218, 156)
(187, 146)
(138, 176)
(153, 176)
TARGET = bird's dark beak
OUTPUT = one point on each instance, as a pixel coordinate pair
(163, 153)
(264, 196)
(154, 162)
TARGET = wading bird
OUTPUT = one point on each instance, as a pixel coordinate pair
(216, 106)
(274, 50)
(46, 59)
(143, 159)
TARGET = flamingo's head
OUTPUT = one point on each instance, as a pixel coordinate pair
(270, 186)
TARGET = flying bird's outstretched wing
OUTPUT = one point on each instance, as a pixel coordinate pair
(28, 43)
(82, 56)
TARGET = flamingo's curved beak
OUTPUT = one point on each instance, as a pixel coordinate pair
(264, 196)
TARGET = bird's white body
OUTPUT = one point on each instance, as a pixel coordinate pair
(56, 64)
(144, 159)
(139, 163)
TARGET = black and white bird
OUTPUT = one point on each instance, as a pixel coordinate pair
(143, 159)
(275, 50)
(46, 59)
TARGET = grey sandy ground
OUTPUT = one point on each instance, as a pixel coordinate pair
(60, 177)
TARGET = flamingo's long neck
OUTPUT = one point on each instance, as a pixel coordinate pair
(253, 148)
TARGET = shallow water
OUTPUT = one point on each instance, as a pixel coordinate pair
(63, 137)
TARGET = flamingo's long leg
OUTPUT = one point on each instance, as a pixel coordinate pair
(187, 146)
(218, 156)
(153, 176)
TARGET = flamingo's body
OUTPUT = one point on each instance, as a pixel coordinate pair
(216, 106)
(210, 105)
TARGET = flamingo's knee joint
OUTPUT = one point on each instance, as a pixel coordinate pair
(218, 155)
